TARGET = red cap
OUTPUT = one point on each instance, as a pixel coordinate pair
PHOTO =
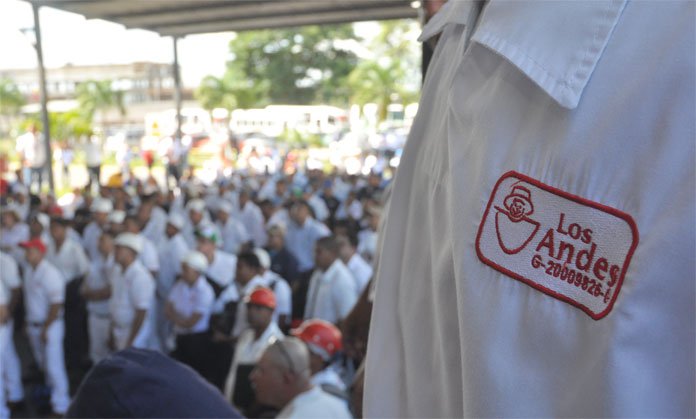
(322, 337)
(263, 297)
(34, 243)
(55, 211)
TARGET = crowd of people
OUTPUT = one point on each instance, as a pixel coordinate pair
(251, 281)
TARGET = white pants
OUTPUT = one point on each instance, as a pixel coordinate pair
(99, 328)
(4, 340)
(12, 369)
(49, 357)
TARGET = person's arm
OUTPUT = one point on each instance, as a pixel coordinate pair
(178, 319)
(137, 324)
(15, 295)
(53, 313)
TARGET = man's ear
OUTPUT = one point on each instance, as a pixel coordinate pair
(288, 377)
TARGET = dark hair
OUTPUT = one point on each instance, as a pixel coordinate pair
(328, 243)
(250, 259)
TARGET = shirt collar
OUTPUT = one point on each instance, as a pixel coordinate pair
(556, 44)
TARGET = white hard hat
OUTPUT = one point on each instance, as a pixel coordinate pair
(225, 207)
(131, 241)
(197, 205)
(196, 260)
(117, 217)
(102, 205)
(176, 220)
(264, 258)
(149, 189)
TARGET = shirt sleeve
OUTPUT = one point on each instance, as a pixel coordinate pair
(142, 292)
(9, 272)
(204, 300)
(55, 287)
(343, 295)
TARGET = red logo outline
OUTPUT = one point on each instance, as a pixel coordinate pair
(580, 200)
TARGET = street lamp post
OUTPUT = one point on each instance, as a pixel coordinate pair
(44, 97)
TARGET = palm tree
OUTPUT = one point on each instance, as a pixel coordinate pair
(11, 101)
(373, 82)
(99, 96)
(230, 91)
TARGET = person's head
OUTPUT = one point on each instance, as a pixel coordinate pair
(128, 246)
(38, 223)
(224, 209)
(281, 187)
(282, 372)
(131, 224)
(347, 246)
(34, 251)
(106, 243)
(343, 228)
(193, 266)
(276, 237)
(244, 197)
(323, 340)
(260, 305)
(101, 208)
(208, 239)
(267, 209)
(145, 211)
(58, 229)
(196, 209)
(248, 266)
(300, 211)
(325, 252)
(374, 180)
(10, 216)
(175, 223)
(115, 221)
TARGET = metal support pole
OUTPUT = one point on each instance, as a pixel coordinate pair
(44, 99)
(177, 89)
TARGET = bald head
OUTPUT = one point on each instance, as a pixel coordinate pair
(282, 372)
(290, 354)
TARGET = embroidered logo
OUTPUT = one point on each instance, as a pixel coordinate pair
(568, 247)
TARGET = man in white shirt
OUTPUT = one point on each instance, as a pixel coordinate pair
(250, 215)
(280, 287)
(44, 294)
(332, 292)
(361, 270)
(262, 331)
(11, 285)
(538, 254)
(96, 290)
(12, 231)
(282, 380)
(148, 256)
(188, 308)
(221, 265)
(132, 297)
(93, 160)
(33, 151)
(234, 234)
(302, 233)
(101, 208)
(150, 215)
(247, 279)
(197, 218)
(324, 341)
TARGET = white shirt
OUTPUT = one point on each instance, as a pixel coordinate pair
(282, 291)
(131, 290)
(70, 259)
(248, 351)
(321, 212)
(90, 239)
(171, 252)
(93, 156)
(43, 287)
(300, 240)
(579, 97)
(10, 238)
(234, 234)
(188, 300)
(367, 244)
(252, 218)
(331, 294)
(33, 147)
(155, 228)
(315, 403)
(148, 256)
(100, 275)
(328, 376)
(241, 323)
(361, 271)
(223, 268)
(9, 274)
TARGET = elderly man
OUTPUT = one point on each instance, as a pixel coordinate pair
(332, 292)
(132, 296)
(302, 233)
(44, 295)
(188, 308)
(262, 331)
(282, 379)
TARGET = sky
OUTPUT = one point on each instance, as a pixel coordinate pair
(69, 38)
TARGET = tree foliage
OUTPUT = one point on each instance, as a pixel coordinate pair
(11, 99)
(99, 96)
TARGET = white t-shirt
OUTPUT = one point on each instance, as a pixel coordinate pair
(331, 294)
(564, 125)
(131, 290)
(188, 300)
(100, 275)
(315, 403)
(70, 259)
(10, 238)
(9, 273)
(361, 270)
(43, 287)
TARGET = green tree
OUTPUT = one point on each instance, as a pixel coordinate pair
(96, 96)
(229, 92)
(294, 66)
(11, 102)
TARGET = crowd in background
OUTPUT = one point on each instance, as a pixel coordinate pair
(216, 276)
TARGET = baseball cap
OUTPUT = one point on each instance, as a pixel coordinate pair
(196, 260)
(131, 241)
(197, 205)
(263, 297)
(33, 244)
(140, 383)
(176, 220)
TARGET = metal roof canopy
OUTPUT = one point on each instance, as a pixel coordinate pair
(179, 18)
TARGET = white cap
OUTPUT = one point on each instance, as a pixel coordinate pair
(225, 207)
(13, 208)
(44, 220)
(117, 217)
(131, 241)
(196, 260)
(264, 258)
(102, 205)
(149, 189)
(176, 220)
(197, 205)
